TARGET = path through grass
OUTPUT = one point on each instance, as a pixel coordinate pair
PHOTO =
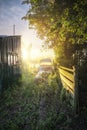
(32, 106)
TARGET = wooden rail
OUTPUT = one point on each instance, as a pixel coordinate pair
(69, 79)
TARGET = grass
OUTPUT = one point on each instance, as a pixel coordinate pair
(34, 106)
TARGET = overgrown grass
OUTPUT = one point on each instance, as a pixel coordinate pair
(34, 106)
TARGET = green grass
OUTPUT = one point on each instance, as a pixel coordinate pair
(34, 106)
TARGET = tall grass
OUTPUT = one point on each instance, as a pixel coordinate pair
(33, 106)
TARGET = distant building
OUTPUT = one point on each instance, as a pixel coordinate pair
(10, 57)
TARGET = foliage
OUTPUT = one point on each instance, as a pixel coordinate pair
(31, 106)
(61, 23)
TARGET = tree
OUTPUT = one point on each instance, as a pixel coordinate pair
(61, 23)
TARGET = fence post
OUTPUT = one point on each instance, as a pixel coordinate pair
(76, 94)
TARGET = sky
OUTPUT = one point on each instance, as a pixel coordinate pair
(11, 13)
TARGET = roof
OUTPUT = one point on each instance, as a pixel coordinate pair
(6, 36)
(2, 36)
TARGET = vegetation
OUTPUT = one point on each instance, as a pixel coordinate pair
(34, 107)
(61, 23)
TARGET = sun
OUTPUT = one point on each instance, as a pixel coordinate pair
(35, 54)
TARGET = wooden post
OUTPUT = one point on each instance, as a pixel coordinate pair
(76, 87)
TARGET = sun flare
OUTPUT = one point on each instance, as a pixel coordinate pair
(35, 54)
(24, 54)
(32, 49)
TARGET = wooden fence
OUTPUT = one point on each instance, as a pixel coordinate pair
(10, 60)
(69, 79)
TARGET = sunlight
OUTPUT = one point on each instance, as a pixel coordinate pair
(32, 47)
(24, 54)
(30, 37)
(29, 54)
(35, 54)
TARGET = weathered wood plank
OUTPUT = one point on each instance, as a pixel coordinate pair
(68, 82)
(64, 68)
(67, 74)
(68, 88)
